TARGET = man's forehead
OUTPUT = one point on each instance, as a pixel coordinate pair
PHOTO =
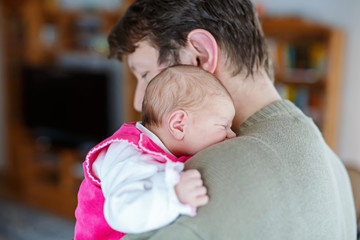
(143, 55)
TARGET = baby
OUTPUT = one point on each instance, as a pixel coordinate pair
(134, 180)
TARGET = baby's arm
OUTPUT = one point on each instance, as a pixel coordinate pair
(140, 194)
(190, 189)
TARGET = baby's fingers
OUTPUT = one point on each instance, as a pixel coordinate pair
(191, 174)
(201, 201)
(198, 197)
(199, 191)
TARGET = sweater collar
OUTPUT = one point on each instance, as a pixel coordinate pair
(275, 109)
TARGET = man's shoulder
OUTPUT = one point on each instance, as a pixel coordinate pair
(240, 148)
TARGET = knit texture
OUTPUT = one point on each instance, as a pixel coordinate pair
(278, 180)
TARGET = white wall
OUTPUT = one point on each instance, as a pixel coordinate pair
(349, 139)
(343, 14)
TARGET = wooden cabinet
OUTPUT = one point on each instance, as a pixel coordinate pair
(308, 59)
(39, 33)
(51, 30)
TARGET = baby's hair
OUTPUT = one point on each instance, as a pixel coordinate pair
(180, 87)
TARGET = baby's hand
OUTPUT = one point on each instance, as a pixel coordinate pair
(190, 189)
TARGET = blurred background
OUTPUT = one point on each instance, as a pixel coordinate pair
(60, 94)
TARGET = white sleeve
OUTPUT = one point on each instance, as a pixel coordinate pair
(139, 192)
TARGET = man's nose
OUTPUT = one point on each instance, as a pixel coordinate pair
(139, 96)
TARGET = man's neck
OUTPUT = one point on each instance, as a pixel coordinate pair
(250, 94)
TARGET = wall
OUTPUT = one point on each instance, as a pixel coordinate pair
(344, 15)
(349, 140)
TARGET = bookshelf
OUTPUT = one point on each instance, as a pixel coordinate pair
(38, 33)
(307, 60)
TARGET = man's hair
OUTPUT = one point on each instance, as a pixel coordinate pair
(181, 87)
(167, 23)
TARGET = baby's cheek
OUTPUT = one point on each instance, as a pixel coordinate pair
(220, 137)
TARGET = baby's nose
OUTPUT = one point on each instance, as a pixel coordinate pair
(230, 134)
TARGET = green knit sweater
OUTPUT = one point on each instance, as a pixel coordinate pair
(277, 180)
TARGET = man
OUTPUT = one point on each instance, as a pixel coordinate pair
(278, 179)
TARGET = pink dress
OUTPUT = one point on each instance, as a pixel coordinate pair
(90, 220)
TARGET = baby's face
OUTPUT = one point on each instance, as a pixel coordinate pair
(210, 125)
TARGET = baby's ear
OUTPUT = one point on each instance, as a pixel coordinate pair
(177, 121)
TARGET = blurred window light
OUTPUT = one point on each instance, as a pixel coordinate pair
(109, 5)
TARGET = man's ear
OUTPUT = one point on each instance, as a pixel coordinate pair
(205, 49)
(177, 122)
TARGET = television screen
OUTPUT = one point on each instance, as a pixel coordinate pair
(69, 106)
